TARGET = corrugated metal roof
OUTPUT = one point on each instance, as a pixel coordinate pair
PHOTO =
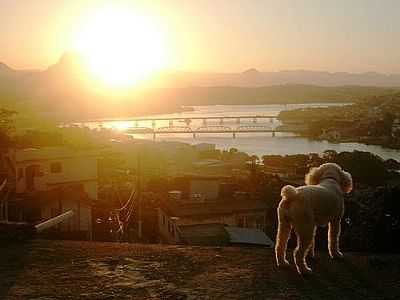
(182, 209)
(204, 234)
(251, 236)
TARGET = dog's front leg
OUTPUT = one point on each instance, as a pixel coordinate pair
(282, 238)
(333, 239)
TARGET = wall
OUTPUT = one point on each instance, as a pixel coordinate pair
(80, 222)
(73, 169)
(167, 227)
(255, 219)
(208, 188)
(248, 220)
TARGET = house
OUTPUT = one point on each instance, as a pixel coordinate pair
(184, 218)
(42, 169)
(54, 172)
(284, 172)
(396, 128)
(207, 186)
(204, 147)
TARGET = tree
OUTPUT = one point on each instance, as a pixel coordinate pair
(365, 167)
(6, 126)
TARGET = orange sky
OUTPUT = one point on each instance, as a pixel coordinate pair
(354, 36)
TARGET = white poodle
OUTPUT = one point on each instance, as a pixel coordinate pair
(318, 203)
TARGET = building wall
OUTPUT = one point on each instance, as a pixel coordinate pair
(247, 219)
(80, 222)
(167, 228)
(59, 171)
(47, 169)
(208, 188)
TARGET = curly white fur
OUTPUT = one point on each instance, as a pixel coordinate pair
(318, 203)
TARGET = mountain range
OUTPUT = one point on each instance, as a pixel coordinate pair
(63, 89)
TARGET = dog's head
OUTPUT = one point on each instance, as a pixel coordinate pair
(330, 170)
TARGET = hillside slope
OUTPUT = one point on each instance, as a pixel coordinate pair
(67, 91)
(86, 270)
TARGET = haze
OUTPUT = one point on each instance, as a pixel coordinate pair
(223, 36)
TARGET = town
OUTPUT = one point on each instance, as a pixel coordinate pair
(185, 150)
(133, 190)
(370, 120)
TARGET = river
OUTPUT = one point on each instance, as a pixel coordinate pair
(254, 143)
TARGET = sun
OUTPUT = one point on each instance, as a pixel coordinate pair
(121, 48)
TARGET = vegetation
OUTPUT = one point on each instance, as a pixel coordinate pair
(6, 126)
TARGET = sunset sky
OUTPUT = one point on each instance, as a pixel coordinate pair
(216, 35)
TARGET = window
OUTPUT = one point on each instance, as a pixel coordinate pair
(55, 167)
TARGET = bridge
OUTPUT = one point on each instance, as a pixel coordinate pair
(297, 129)
(187, 118)
(205, 124)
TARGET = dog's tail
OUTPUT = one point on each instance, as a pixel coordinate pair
(288, 193)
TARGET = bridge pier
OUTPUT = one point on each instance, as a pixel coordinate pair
(221, 121)
(194, 135)
(234, 135)
(136, 124)
(153, 124)
(154, 136)
(273, 133)
(204, 122)
(238, 121)
(254, 120)
(171, 123)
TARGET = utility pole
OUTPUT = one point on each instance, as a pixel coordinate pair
(139, 191)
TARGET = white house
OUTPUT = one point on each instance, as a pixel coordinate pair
(45, 168)
(68, 175)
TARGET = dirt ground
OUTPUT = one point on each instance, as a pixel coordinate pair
(46, 270)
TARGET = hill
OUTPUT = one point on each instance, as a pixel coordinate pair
(64, 90)
(87, 270)
(255, 78)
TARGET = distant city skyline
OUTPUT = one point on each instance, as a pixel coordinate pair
(221, 36)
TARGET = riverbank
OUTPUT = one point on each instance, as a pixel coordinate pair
(385, 143)
(253, 144)
(374, 121)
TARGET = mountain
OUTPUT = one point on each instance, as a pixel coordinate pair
(64, 90)
(255, 78)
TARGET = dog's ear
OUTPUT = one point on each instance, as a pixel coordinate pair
(313, 176)
(346, 181)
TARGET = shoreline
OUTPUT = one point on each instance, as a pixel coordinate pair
(358, 140)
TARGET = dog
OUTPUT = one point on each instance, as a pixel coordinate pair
(319, 202)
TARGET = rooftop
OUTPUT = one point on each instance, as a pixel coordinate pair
(208, 208)
(49, 153)
(87, 270)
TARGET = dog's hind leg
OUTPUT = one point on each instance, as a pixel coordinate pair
(311, 253)
(282, 237)
(305, 236)
(333, 239)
